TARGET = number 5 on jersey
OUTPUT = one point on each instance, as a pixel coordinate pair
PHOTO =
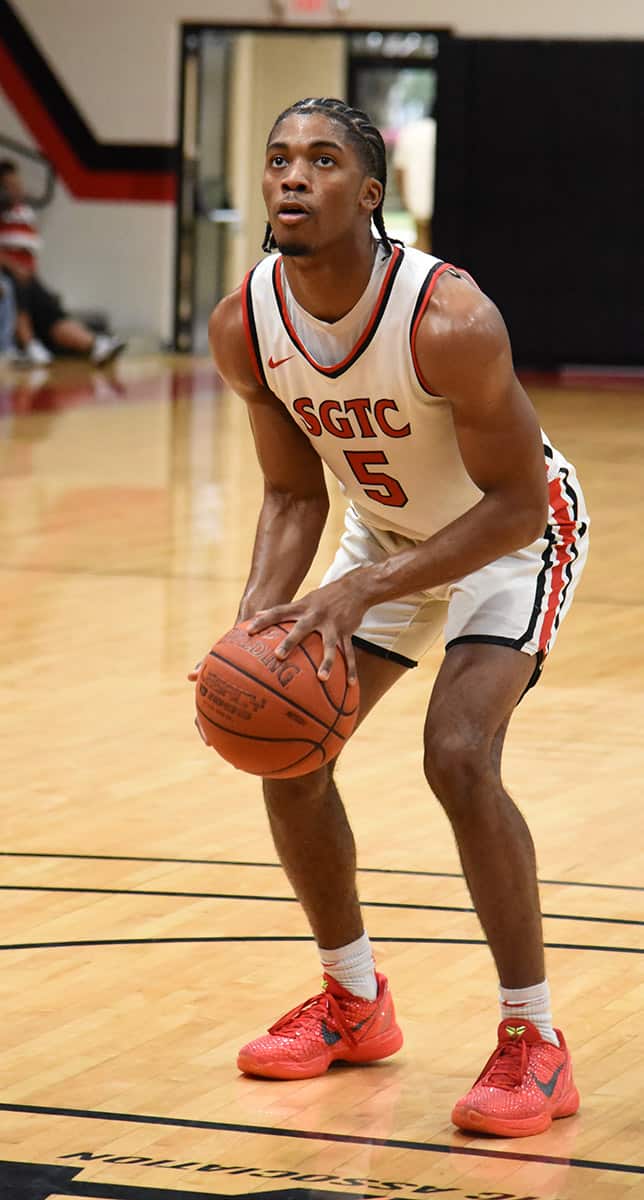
(377, 486)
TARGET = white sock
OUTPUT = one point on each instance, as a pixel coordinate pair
(352, 967)
(533, 1003)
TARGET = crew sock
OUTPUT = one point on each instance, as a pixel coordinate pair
(352, 967)
(531, 1003)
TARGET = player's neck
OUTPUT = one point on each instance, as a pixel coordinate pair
(329, 286)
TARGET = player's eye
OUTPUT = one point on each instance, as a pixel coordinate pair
(326, 160)
(277, 160)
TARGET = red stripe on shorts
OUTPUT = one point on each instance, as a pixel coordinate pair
(567, 532)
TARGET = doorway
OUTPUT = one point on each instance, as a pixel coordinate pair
(233, 82)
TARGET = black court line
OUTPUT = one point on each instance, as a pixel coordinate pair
(319, 1136)
(233, 862)
(394, 941)
(20, 568)
(394, 904)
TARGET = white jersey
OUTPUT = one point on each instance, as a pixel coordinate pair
(368, 412)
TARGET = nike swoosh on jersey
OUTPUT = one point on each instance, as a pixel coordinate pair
(277, 362)
(549, 1087)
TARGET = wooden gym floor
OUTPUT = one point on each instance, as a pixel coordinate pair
(146, 929)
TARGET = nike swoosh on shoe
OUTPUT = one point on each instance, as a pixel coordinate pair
(331, 1037)
(549, 1087)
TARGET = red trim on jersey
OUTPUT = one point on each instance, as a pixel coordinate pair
(256, 365)
(419, 316)
(376, 313)
(567, 534)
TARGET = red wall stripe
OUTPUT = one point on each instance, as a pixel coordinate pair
(157, 187)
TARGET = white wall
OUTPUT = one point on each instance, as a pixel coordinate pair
(136, 41)
(118, 61)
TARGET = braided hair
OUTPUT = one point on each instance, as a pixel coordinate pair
(366, 139)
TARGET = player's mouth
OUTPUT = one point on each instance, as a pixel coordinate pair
(291, 212)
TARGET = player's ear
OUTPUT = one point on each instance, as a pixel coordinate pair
(371, 193)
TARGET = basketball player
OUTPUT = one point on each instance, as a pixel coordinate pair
(392, 368)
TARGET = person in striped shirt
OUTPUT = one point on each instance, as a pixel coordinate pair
(43, 328)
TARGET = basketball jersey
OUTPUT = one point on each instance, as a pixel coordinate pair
(368, 413)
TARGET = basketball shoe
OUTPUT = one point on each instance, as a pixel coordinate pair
(335, 1024)
(523, 1087)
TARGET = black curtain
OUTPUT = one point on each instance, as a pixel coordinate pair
(540, 191)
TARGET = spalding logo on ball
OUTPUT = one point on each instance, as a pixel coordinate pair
(273, 716)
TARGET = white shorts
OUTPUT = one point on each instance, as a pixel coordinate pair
(518, 600)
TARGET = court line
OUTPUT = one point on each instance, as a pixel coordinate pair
(318, 1136)
(394, 904)
(396, 941)
(231, 862)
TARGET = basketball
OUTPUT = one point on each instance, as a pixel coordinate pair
(272, 716)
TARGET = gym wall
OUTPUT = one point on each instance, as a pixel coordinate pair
(109, 234)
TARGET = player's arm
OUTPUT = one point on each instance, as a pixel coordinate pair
(464, 354)
(296, 502)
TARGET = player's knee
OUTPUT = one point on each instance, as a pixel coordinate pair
(304, 789)
(457, 763)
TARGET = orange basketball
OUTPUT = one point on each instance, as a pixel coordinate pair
(271, 716)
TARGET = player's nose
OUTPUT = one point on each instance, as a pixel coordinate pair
(295, 178)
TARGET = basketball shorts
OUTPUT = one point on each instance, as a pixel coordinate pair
(518, 600)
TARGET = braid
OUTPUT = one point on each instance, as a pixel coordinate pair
(366, 139)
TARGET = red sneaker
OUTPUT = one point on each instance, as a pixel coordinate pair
(334, 1024)
(524, 1086)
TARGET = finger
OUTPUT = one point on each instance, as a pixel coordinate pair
(330, 644)
(296, 635)
(266, 617)
(350, 659)
(194, 673)
(200, 730)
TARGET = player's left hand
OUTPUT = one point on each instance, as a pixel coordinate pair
(334, 611)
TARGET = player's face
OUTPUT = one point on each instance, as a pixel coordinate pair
(316, 190)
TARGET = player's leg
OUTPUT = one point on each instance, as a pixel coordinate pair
(309, 824)
(502, 620)
(312, 834)
(474, 696)
(353, 1018)
(528, 1080)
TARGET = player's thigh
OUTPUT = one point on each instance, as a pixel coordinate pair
(376, 675)
(476, 691)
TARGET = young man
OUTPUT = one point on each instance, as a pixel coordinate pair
(395, 370)
(42, 325)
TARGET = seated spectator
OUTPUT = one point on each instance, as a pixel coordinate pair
(42, 325)
(7, 316)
